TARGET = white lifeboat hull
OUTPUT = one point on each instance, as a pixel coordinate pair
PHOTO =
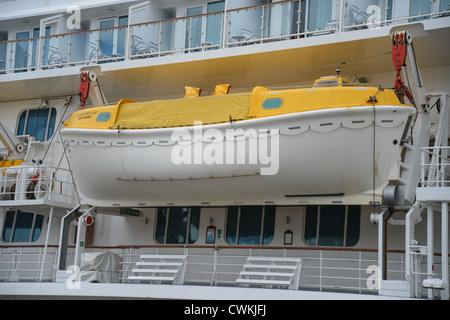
(341, 155)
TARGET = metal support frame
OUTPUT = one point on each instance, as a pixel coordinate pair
(412, 218)
(64, 236)
(81, 234)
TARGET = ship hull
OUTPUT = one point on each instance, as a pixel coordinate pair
(342, 155)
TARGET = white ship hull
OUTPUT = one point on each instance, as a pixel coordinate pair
(322, 157)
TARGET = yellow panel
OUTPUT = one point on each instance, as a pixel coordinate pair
(301, 100)
(96, 118)
(183, 112)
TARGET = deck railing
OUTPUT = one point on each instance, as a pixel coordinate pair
(277, 21)
(322, 269)
(36, 183)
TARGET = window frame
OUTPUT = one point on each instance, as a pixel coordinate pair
(167, 223)
(47, 125)
(345, 234)
(238, 225)
(116, 45)
(33, 226)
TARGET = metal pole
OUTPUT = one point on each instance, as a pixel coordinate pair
(46, 242)
(409, 235)
(430, 244)
(444, 249)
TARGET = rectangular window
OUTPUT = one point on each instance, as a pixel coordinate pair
(39, 123)
(177, 225)
(250, 225)
(22, 226)
(334, 226)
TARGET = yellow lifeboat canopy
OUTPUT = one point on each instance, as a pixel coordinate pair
(326, 93)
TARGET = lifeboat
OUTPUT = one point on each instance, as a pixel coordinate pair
(331, 143)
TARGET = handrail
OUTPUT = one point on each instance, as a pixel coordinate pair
(272, 4)
(193, 246)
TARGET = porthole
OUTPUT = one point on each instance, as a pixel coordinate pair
(273, 103)
(104, 117)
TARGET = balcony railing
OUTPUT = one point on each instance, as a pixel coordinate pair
(43, 182)
(283, 20)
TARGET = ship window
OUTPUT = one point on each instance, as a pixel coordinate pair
(250, 225)
(336, 226)
(273, 103)
(39, 123)
(22, 226)
(177, 225)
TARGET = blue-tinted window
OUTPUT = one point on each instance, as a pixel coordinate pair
(250, 225)
(177, 225)
(22, 226)
(334, 226)
(39, 123)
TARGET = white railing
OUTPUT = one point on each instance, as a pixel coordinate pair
(42, 182)
(435, 167)
(30, 264)
(322, 269)
(282, 20)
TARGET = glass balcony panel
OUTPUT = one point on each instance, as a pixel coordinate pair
(363, 14)
(245, 25)
(194, 32)
(282, 19)
(79, 47)
(168, 32)
(444, 5)
(145, 40)
(418, 8)
(106, 39)
(3, 50)
(214, 24)
(322, 16)
(214, 30)
(22, 51)
(56, 51)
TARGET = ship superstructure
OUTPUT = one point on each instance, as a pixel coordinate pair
(84, 202)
